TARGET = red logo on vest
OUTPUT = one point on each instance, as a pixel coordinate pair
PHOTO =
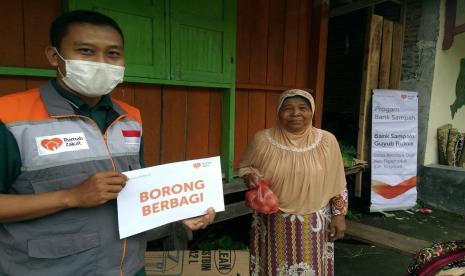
(196, 165)
(52, 144)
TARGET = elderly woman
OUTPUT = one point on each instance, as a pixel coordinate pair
(305, 170)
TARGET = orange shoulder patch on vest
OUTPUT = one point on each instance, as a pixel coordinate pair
(132, 111)
(22, 106)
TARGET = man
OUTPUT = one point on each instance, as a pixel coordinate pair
(62, 151)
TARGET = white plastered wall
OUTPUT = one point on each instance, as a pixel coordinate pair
(446, 70)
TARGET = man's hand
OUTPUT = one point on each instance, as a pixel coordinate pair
(337, 227)
(97, 189)
(251, 180)
(200, 222)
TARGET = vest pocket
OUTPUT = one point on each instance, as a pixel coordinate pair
(67, 218)
(55, 184)
(58, 247)
(69, 254)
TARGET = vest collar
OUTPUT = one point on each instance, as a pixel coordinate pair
(57, 105)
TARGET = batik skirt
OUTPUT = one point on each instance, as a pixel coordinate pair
(287, 244)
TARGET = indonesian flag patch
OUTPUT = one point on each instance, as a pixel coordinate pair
(131, 136)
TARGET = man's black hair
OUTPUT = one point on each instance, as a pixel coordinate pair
(60, 25)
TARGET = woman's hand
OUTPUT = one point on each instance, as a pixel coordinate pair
(337, 227)
(251, 179)
(200, 222)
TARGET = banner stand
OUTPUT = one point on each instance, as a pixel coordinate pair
(374, 209)
(394, 146)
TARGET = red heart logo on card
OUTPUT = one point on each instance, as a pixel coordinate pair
(403, 96)
(196, 165)
(52, 144)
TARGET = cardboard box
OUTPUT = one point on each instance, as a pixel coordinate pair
(197, 263)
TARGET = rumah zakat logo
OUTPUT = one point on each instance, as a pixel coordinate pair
(52, 144)
(403, 96)
(196, 165)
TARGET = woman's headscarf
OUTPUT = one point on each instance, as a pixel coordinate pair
(305, 170)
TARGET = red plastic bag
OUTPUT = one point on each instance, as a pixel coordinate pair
(262, 199)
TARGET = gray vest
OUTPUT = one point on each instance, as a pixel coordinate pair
(80, 241)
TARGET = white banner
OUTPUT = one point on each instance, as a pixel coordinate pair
(394, 140)
(162, 194)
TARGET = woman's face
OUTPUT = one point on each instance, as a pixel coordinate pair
(295, 115)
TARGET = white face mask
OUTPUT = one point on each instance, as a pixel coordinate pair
(89, 78)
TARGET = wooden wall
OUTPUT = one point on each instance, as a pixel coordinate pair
(278, 48)
(24, 28)
(180, 123)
